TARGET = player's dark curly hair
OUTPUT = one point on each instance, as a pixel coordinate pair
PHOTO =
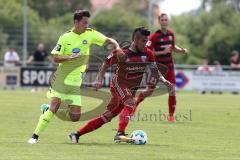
(140, 31)
(161, 15)
(79, 14)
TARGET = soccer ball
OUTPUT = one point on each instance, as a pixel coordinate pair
(139, 137)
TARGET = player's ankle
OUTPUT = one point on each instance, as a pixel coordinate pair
(35, 136)
(78, 134)
(120, 133)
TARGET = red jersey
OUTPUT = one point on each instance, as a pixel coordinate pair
(130, 73)
(158, 41)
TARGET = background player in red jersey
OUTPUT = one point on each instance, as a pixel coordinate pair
(124, 84)
(162, 42)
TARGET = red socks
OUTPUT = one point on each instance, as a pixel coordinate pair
(171, 104)
(91, 125)
(124, 117)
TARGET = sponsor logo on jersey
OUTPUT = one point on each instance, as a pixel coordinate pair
(135, 68)
(76, 50)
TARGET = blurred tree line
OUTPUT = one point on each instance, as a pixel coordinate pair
(210, 32)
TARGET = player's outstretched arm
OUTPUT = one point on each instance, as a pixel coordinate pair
(114, 44)
(100, 75)
(169, 85)
(61, 58)
(180, 50)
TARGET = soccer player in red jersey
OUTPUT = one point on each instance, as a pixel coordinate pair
(162, 43)
(131, 65)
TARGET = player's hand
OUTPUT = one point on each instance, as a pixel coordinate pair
(184, 50)
(169, 85)
(98, 84)
(121, 56)
(167, 50)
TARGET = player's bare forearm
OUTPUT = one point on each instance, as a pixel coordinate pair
(180, 50)
(100, 75)
(162, 79)
(158, 53)
(50, 59)
(113, 42)
(102, 71)
(148, 91)
(61, 58)
(169, 85)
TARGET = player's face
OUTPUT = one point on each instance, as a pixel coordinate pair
(236, 56)
(163, 21)
(82, 24)
(141, 43)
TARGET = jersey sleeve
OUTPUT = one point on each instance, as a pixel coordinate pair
(59, 48)
(111, 59)
(98, 38)
(151, 41)
(151, 56)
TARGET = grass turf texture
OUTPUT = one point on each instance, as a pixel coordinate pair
(209, 131)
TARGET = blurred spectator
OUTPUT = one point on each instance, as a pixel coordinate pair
(11, 58)
(216, 66)
(39, 56)
(204, 67)
(234, 60)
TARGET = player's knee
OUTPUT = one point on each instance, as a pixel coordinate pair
(74, 117)
(172, 91)
(75, 113)
(130, 103)
(148, 92)
(107, 117)
(55, 103)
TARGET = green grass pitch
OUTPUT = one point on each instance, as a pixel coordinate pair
(208, 129)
